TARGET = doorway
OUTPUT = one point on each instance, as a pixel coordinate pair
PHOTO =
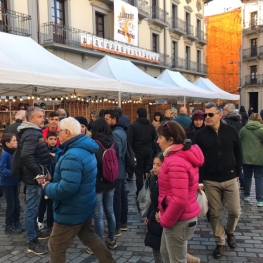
(253, 101)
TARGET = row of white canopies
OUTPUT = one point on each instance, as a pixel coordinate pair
(25, 65)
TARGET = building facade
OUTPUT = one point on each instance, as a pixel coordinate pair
(173, 29)
(252, 55)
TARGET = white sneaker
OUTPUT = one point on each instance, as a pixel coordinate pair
(40, 225)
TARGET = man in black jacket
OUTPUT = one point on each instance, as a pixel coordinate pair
(19, 117)
(34, 152)
(220, 144)
(141, 136)
(231, 117)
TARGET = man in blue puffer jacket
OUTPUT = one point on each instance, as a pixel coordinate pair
(73, 193)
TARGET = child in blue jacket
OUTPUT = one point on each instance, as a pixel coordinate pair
(10, 185)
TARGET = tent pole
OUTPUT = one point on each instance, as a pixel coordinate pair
(184, 101)
(119, 98)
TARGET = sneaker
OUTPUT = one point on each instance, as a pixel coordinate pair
(245, 198)
(19, 228)
(111, 244)
(9, 230)
(259, 204)
(123, 227)
(40, 225)
(89, 251)
(117, 232)
(35, 247)
(43, 235)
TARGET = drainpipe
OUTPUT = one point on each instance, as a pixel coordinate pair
(38, 23)
(164, 33)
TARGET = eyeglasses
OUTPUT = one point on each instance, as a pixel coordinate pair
(58, 132)
(166, 124)
(210, 114)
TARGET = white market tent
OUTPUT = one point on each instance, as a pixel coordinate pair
(207, 85)
(176, 78)
(129, 74)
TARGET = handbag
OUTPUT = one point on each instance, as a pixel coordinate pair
(203, 203)
(144, 198)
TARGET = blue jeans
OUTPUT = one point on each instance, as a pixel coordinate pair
(258, 174)
(120, 203)
(33, 196)
(12, 205)
(104, 201)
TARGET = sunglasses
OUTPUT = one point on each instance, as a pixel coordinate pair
(210, 114)
(166, 124)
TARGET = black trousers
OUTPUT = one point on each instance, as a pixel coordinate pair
(46, 204)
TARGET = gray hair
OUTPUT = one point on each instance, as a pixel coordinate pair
(210, 105)
(95, 113)
(20, 115)
(70, 124)
(230, 107)
(62, 113)
(31, 111)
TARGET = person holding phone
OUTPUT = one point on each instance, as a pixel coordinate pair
(178, 186)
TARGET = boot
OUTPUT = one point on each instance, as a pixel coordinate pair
(191, 259)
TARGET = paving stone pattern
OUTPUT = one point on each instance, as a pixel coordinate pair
(249, 234)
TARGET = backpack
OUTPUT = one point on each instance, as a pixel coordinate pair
(16, 164)
(130, 160)
(110, 163)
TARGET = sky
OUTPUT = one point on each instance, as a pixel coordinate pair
(220, 6)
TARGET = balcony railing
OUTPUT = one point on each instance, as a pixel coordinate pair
(252, 26)
(15, 23)
(177, 24)
(260, 51)
(160, 14)
(201, 35)
(250, 52)
(254, 79)
(56, 33)
(184, 64)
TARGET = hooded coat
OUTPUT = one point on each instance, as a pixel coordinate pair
(178, 184)
(34, 152)
(141, 136)
(233, 119)
(73, 188)
(252, 143)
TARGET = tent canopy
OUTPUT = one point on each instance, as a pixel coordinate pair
(176, 78)
(25, 63)
(129, 74)
(207, 84)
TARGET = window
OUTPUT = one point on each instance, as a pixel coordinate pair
(57, 12)
(155, 43)
(100, 32)
(253, 74)
(198, 60)
(174, 54)
(253, 18)
(154, 9)
(187, 57)
(253, 44)
(187, 21)
(198, 29)
(174, 15)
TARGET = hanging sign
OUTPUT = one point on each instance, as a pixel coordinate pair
(161, 101)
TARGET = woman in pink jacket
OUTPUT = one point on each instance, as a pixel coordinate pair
(178, 186)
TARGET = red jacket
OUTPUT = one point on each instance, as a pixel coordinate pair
(46, 131)
(178, 185)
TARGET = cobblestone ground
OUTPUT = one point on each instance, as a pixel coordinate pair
(249, 234)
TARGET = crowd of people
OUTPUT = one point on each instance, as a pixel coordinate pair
(62, 166)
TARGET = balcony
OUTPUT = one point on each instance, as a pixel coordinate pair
(260, 51)
(255, 79)
(190, 33)
(158, 17)
(85, 43)
(143, 8)
(182, 64)
(250, 53)
(15, 23)
(108, 2)
(252, 27)
(201, 37)
(177, 26)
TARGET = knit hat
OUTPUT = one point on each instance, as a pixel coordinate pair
(82, 120)
(198, 114)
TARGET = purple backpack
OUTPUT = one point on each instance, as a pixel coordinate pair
(110, 163)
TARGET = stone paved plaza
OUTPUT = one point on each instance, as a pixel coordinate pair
(249, 234)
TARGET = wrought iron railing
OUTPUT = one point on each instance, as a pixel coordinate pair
(15, 23)
(201, 35)
(250, 52)
(254, 79)
(178, 24)
(190, 30)
(160, 14)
